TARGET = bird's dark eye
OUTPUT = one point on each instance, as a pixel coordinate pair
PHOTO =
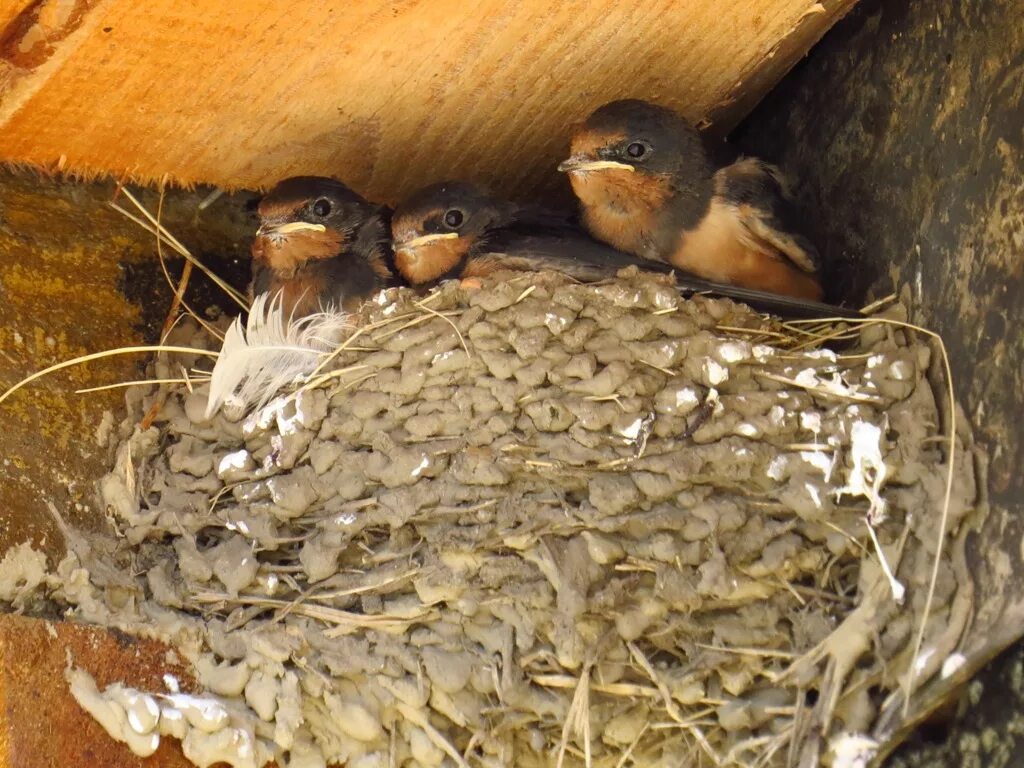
(636, 150)
(453, 218)
(322, 207)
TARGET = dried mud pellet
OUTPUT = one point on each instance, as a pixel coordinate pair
(534, 374)
(234, 563)
(674, 325)
(234, 466)
(530, 313)
(605, 383)
(623, 729)
(448, 671)
(287, 449)
(631, 624)
(478, 467)
(450, 361)
(224, 678)
(603, 549)
(575, 336)
(425, 355)
(677, 589)
(354, 719)
(482, 332)
(261, 694)
(656, 487)
(292, 494)
(166, 589)
(423, 750)
(375, 361)
(195, 406)
(192, 564)
(366, 405)
(426, 425)
(632, 327)
(322, 454)
(685, 688)
(549, 415)
(735, 716)
(188, 455)
(736, 680)
(406, 383)
(493, 300)
(612, 494)
(417, 337)
(501, 365)
(319, 557)
(529, 343)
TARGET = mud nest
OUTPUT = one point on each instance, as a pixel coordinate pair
(544, 524)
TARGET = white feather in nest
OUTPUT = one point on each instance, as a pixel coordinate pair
(269, 353)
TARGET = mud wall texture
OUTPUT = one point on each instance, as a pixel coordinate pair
(904, 130)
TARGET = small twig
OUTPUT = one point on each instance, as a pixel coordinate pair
(898, 590)
(765, 652)
(455, 328)
(134, 383)
(100, 356)
(525, 293)
(182, 250)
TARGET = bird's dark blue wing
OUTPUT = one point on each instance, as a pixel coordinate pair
(756, 192)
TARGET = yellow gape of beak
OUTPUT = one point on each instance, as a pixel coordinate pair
(574, 164)
(416, 242)
(291, 226)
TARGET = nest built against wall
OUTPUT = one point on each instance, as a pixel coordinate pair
(538, 524)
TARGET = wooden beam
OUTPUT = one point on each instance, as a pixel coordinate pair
(386, 95)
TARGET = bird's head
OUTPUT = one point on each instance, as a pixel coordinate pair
(631, 153)
(305, 218)
(434, 229)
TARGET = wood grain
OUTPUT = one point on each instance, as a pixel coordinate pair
(385, 95)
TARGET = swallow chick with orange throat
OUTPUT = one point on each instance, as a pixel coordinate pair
(648, 186)
(320, 246)
(457, 230)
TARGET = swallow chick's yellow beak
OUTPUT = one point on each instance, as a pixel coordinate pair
(576, 164)
(289, 227)
(416, 242)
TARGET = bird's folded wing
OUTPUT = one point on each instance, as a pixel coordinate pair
(567, 251)
(756, 192)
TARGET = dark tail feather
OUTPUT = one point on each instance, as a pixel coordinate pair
(569, 251)
(786, 306)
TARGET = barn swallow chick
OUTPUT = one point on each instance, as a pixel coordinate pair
(648, 186)
(321, 245)
(457, 230)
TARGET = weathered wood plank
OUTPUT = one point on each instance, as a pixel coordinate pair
(387, 95)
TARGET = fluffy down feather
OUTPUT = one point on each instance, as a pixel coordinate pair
(269, 353)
